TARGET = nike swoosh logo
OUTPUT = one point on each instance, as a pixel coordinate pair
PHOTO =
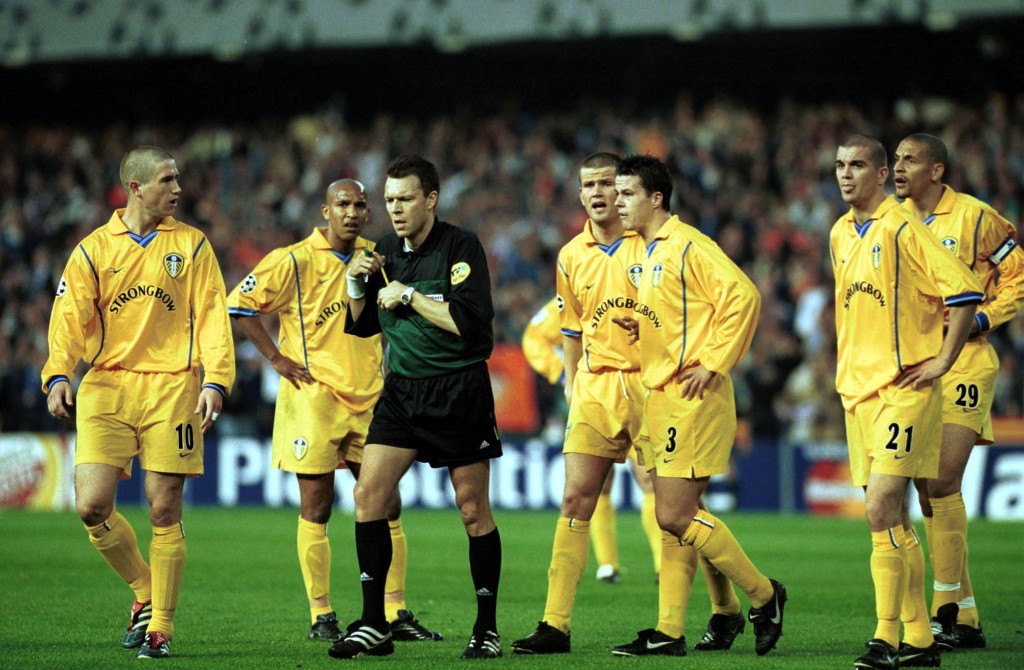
(658, 645)
(910, 657)
(777, 619)
(321, 281)
(116, 270)
(899, 457)
(667, 460)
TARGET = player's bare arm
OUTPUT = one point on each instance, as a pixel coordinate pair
(252, 327)
(59, 398)
(961, 318)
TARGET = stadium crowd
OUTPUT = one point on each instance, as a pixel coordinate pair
(761, 182)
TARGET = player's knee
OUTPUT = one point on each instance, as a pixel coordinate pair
(92, 513)
(163, 514)
(578, 504)
(368, 498)
(674, 523)
(941, 486)
(318, 512)
(881, 515)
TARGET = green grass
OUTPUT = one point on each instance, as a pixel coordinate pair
(243, 604)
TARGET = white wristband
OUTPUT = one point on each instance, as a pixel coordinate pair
(356, 287)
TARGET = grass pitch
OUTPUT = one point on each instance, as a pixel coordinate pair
(243, 604)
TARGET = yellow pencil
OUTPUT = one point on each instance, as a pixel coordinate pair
(367, 252)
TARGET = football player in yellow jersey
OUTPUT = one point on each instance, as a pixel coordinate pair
(542, 346)
(596, 277)
(329, 383)
(694, 319)
(142, 301)
(986, 243)
(892, 278)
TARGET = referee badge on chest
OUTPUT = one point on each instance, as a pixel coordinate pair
(174, 263)
(300, 446)
(876, 255)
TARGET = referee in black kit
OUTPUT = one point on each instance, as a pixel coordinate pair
(433, 294)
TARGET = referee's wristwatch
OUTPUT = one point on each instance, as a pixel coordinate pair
(407, 295)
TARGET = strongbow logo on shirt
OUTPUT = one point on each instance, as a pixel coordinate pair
(300, 446)
(635, 272)
(460, 271)
(876, 255)
(248, 285)
(62, 287)
(656, 273)
(949, 243)
(174, 263)
(863, 287)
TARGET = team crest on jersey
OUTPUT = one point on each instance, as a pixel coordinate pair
(950, 243)
(248, 285)
(876, 256)
(656, 273)
(174, 263)
(635, 272)
(460, 271)
(560, 302)
(62, 287)
(300, 446)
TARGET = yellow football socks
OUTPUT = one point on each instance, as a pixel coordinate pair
(888, 572)
(917, 630)
(394, 586)
(948, 541)
(315, 563)
(715, 541)
(968, 614)
(167, 562)
(115, 540)
(679, 563)
(649, 521)
(568, 558)
(602, 532)
(720, 591)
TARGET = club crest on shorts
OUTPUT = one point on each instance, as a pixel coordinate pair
(635, 272)
(460, 272)
(174, 263)
(300, 446)
(876, 255)
(950, 243)
(656, 273)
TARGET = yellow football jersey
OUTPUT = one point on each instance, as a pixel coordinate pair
(983, 240)
(145, 304)
(695, 306)
(595, 284)
(305, 285)
(892, 278)
(542, 342)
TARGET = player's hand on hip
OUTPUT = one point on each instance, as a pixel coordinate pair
(59, 398)
(292, 371)
(695, 381)
(210, 404)
(922, 374)
(630, 325)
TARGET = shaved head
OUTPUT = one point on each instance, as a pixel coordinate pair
(336, 186)
(139, 164)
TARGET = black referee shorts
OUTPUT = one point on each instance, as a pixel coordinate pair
(448, 420)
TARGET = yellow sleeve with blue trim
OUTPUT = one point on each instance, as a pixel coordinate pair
(542, 342)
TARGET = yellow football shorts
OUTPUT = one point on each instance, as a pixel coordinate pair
(315, 430)
(152, 414)
(604, 419)
(897, 432)
(969, 388)
(691, 439)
